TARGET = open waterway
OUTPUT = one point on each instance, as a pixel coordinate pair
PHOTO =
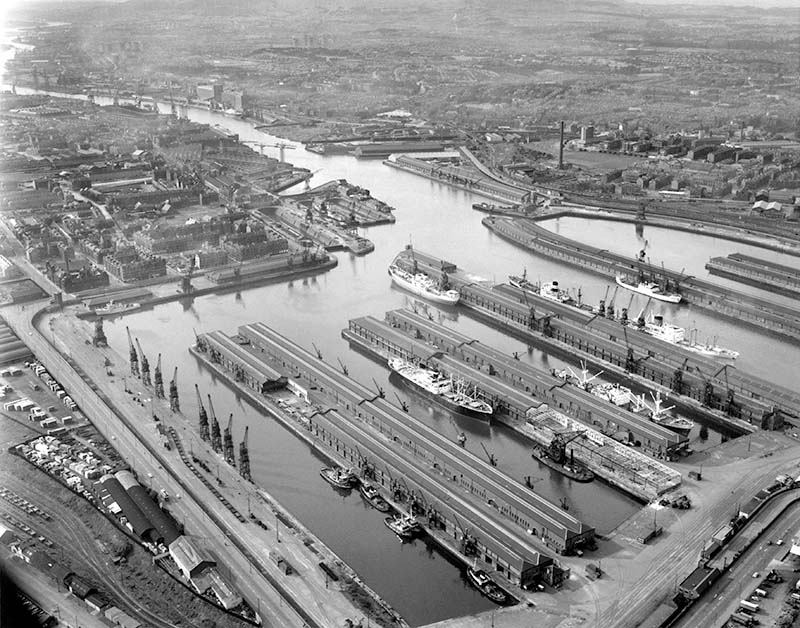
(418, 581)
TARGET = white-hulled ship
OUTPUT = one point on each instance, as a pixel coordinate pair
(656, 327)
(441, 390)
(548, 290)
(114, 307)
(424, 286)
(650, 289)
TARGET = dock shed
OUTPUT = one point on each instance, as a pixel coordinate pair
(190, 560)
(165, 529)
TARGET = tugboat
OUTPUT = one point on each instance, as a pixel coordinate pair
(481, 581)
(555, 457)
(444, 391)
(371, 495)
(403, 525)
(521, 282)
(339, 478)
(424, 286)
(650, 289)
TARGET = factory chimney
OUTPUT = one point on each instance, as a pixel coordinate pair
(561, 148)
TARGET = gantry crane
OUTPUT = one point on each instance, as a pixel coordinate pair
(244, 457)
(216, 441)
(145, 365)
(158, 380)
(557, 449)
(134, 359)
(227, 442)
(203, 415)
(174, 402)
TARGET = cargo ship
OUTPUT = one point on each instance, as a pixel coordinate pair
(442, 390)
(656, 327)
(424, 286)
(649, 289)
(660, 415)
(113, 307)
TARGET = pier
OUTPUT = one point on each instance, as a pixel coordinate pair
(533, 403)
(740, 401)
(762, 273)
(761, 313)
(509, 525)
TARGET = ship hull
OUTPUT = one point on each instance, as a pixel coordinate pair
(443, 402)
(659, 296)
(403, 283)
(582, 475)
(683, 430)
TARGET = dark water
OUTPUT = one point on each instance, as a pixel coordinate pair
(420, 583)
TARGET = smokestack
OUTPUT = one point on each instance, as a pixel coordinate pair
(561, 148)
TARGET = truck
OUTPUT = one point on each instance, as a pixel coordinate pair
(749, 606)
(761, 592)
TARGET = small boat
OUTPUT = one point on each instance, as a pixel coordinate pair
(338, 477)
(521, 282)
(650, 289)
(481, 580)
(358, 245)
(373, 497)
(424, 286)
(554, 293)
(403, 525)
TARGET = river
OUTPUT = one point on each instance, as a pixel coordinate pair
(419, 582)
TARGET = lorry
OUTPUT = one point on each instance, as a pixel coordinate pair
(749, 606)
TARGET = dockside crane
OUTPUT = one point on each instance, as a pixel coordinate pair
(343, 366)
(731, 407)
(203, 415)
(402, 402)
(174, 401)
(244, 457)
(623, 317)
(318, 352)
(380, 390)
(601, 308)
(158, 380)
(677, 386)
(610, 308)
(145, 365)
(469, 544)
(227, 442)
(631, 362)
(216, 441)
(557, 449)
(134, 358)
(490, 456)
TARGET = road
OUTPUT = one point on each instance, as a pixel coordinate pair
(722, 599)
(199, 510)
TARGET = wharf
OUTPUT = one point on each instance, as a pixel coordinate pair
(448, 483)
(778, 319)
(347, 203)
(530, 402)
(757, 272)
(700, 382)
(462, 178)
